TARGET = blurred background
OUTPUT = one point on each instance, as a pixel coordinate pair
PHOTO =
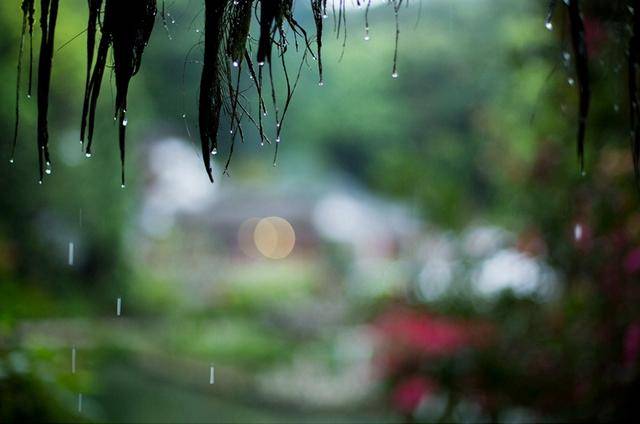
(424, 250)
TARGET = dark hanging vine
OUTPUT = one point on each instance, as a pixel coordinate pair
(125, 28)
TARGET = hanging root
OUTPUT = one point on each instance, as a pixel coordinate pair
(634, 107)
(126, 29)
(27, 16)
(582, 72)
(210, 101)
(48, 18)
(94, 11)
(318, 7)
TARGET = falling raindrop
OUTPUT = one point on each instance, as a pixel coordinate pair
(577, 232)
(119, 306)
(11, 160)
(71, 253)
(87, 154)
(548, 25)
(394, 74)
(73, 360)
(79, 402)
(122, 186)
(212, 375)
(214, 151)
(184, 116)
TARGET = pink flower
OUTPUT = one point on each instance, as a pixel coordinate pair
(408, 394)
(632, 261)
(424, 333)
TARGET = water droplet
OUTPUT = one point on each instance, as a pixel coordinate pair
(119, 306)
(321, 83)
(571, 81)
(28, 96)
(87, 154)
(122, 186)
(235, 63)
(260, 63)
(212, 375)
(566, 56)
(47, 171)
(39, 181)
(616, 107)
(394, 74)
(261, 143)
(577, 232)
(325, 16)
(367, 38)
(125, 122)
(71, 253)
(11, 160)
(548, 25)
(278, 139)
(184, 115)
(214, 151)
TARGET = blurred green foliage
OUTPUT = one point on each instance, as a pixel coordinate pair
(478, 128)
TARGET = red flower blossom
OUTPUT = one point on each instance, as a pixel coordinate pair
(407, 334)
(408, 394)
(632, 261)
